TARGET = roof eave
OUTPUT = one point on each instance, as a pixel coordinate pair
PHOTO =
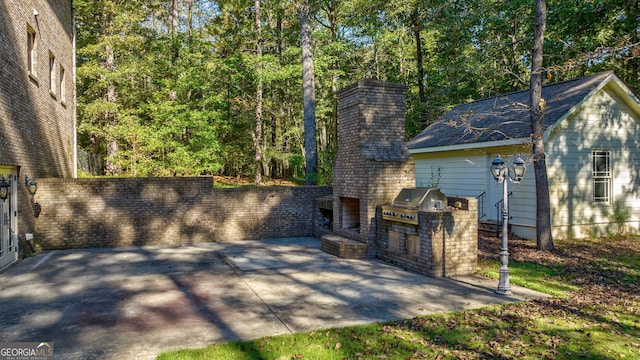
(471, 146)
(632, 100)
(615, 84)
(550, 128)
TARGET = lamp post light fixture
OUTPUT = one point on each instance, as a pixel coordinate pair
(501, 173)
(31, 184)
(4, 189)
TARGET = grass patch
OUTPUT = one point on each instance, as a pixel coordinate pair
(543, 278)
(326, 344)
(594, 314)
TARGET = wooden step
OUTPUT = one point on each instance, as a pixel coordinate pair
(491, 228)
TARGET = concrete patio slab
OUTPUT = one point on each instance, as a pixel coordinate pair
(133, 303)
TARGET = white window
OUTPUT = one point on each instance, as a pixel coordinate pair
(61, 87)
(31, 51)
(52, 73)
(601, 172)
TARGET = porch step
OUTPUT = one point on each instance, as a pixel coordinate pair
(491, 228)
(343, 247)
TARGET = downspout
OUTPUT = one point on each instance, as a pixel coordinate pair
(75, 118)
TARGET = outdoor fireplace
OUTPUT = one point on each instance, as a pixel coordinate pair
(375, 209)
(350, 216)
(372, 162)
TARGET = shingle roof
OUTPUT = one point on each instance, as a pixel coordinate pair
(505, 116)
(385, 151)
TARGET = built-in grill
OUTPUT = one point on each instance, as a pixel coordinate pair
(406, 205)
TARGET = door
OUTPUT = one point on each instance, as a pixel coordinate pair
(9, 220)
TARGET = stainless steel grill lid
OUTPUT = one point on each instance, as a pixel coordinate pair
(409, 201)
(421, 198)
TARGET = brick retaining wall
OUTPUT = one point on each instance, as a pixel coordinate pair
(113, 212)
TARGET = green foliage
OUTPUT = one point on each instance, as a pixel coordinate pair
(434, 180)
(545, 279)
(184, 102)
(620, 216)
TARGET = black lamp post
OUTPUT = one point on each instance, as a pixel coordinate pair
(500, 172)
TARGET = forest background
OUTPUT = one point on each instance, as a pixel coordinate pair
(202, 87)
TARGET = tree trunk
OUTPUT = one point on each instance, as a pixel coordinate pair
(190, 17)
(514, 53)
(110, 96)
(173, 17)
(417, 27)
(544, 240)
(173, 28)
(277, 145)
(257, 135)
(634, 62)
(308, 95)
(333, 126)
(111, 167)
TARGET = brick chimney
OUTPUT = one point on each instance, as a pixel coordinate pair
(372, 164)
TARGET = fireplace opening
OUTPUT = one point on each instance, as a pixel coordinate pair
(350, 214)
(326, 219)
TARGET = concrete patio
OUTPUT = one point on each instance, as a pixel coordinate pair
(133, 303)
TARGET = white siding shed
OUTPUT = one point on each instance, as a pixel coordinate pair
(592, 145)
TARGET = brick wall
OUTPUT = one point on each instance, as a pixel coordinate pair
(37, 127)
(110, 212)
(447, 241)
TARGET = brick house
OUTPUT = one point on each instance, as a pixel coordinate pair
(37, 106)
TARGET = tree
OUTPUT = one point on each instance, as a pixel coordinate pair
(197, 87)
(106, 44)
(173, 16)
(257, 134)
(601, 35)
(544, 240)
(417, 29)
(308, 94)
(330, 17)
(110, 116)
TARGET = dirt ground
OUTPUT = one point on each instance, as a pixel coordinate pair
(233, 181)
(604, 268)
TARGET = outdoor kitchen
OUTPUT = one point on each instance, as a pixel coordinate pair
(429, 233)
(375, 209)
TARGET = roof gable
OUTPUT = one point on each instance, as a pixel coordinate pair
(505, 117)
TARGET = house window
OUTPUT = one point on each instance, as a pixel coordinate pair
(601, 172)
(52, 74)
(61, 87)
(31, 50)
